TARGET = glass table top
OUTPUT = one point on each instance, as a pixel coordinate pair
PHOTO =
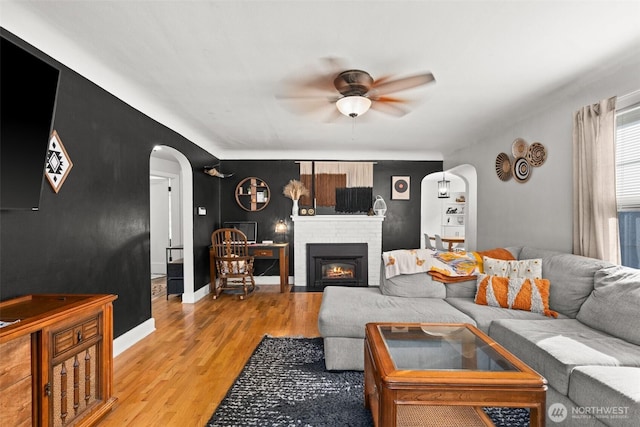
(442, 348)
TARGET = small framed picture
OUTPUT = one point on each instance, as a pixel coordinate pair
(58, 164)
(400, 188)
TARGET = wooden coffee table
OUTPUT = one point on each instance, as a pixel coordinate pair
(444, 374)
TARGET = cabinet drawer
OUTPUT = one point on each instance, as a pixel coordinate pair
(175, 286)
(75, 335)
(263, 252)
(175, 269)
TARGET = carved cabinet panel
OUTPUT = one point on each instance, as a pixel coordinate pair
(74, 386)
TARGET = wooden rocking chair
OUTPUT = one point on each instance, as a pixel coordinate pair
(234, 266)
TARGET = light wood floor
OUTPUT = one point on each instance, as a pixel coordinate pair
(178, 375)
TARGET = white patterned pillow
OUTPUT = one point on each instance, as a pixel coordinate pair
(525, 269)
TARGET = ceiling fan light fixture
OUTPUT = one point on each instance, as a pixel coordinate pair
(354, 105)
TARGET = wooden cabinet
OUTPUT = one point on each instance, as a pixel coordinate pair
(253, 194)
(57, 360)
(175, 272)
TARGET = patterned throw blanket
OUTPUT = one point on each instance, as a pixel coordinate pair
(411, 261)
(443, 266)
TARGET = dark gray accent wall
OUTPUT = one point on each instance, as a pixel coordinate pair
(400, 229)
(93, 236)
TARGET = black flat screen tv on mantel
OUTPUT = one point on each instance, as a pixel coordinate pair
(28, 88)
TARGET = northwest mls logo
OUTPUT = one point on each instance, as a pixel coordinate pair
(557, 412)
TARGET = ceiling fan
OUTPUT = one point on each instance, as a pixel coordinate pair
(353, 91)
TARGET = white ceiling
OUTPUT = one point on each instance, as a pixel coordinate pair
(213, 70)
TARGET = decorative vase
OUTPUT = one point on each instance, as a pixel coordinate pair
(379, 206)
(294, 209)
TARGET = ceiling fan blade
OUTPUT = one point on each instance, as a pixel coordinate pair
(308, 105)
(389, 99)
(334, 64)
(393, 109)
(402, 84)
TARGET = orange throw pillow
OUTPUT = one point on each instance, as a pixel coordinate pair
(497, 253)
(516, 293)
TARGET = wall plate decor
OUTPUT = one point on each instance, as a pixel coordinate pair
(503, 166)
(400, 187)
(521, 169)
(58, 163)
(519, 148)
(537, 154)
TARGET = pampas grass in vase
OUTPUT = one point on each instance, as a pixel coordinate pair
(294, 190)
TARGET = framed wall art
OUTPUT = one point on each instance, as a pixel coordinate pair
(400, 188)
(58, 163)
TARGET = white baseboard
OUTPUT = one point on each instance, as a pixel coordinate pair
(202, 292)
(132, 336)
(269, 280)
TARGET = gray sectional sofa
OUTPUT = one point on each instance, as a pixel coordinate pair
(589, 354)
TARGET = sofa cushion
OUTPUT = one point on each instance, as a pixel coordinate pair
(516, 293)
(614, 304)
(611, 393)
(465, 289)
(419, 285)
(345, 311)
(483, 315)
(526, 268)
(571, 278)
(554, 347)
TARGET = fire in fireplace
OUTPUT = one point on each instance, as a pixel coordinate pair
(337, 264)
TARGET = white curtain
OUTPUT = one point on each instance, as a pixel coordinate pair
(595, 216)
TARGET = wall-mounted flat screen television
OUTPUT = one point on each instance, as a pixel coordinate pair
(249, 228)
(28, 88)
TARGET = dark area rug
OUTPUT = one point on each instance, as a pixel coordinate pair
(285, 383)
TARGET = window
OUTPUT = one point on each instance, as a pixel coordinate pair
(628, 183)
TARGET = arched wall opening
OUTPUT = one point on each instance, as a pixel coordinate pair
(433, 219)
(186, 214)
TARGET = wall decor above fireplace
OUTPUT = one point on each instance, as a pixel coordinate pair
(337, 185)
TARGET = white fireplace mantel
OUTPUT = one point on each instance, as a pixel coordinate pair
(337, 229)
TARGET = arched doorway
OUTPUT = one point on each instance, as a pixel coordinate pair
(185, 178)
(463, 181)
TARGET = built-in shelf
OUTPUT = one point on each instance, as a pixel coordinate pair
(453, 215)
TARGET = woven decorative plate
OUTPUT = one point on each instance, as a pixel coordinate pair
(521, 170)
(537, 154)
(519, 148)
(503, 166)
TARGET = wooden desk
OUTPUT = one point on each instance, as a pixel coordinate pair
(450, 240)
(279, 251)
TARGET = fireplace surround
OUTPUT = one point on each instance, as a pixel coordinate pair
(336, 264)
(338, 229)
